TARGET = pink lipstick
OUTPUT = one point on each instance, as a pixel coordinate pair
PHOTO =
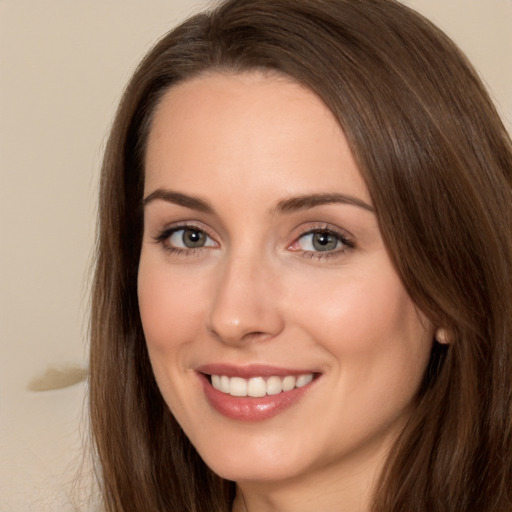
(255, 392)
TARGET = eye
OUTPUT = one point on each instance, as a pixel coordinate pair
(186, 238)
(321, 241)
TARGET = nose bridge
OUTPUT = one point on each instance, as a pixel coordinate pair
(244, 301)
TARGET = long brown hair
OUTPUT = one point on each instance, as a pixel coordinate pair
(438, 164)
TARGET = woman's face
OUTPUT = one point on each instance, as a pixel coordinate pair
(278, 330)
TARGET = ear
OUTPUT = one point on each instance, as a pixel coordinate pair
(441, 336)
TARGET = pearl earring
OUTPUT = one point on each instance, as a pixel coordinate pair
(441, 336)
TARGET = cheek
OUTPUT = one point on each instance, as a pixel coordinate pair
(365, 318)
(170, 304)
(378, 345)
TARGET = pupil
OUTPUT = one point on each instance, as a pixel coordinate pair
(193, 238)
(324, 242)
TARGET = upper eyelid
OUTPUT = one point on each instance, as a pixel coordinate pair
(321, 227)
(176, 226)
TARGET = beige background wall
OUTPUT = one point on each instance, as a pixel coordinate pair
(63, 65)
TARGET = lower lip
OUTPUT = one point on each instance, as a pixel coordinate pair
(249, 408)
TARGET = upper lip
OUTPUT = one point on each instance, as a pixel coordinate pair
(249, 371)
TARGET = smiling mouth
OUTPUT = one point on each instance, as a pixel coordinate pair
(258, 387)
(254, 393)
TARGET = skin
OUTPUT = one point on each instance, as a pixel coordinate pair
(259, 292)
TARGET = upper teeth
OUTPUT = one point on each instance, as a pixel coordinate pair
(259, 386)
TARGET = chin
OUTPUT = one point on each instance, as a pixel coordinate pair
(253, 471)
(256, 460)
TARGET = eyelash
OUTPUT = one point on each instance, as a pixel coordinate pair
(341, 236)
(163, 239)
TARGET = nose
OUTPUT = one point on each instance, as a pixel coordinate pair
(245, 305)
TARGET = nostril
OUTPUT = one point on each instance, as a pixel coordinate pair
(255, 335)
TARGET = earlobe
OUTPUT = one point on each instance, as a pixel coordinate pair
(441, 336)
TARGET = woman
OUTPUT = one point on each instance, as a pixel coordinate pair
(302, 297)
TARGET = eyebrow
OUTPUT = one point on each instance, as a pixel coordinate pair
(311, 200)
(194, 203)
(285, 206)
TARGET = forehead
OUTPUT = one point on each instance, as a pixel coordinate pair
(249, 129)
